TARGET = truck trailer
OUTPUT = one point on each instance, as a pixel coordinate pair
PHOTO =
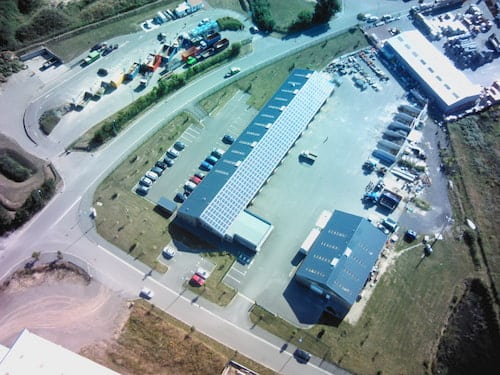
(133, 71)
(190, 52)
(91, 57)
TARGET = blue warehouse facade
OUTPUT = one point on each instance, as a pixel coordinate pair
(340, 260)
(219, 204)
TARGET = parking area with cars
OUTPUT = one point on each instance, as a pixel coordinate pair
(202, 142)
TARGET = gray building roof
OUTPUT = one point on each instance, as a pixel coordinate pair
(243, 169)
(343, 255)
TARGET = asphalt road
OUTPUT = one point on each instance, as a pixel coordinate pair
(64, 224)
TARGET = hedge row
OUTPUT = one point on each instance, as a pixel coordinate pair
(117, 122)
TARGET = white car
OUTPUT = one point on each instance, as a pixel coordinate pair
(151, 175)
(146, 293)
(202, 273)
(168, 252)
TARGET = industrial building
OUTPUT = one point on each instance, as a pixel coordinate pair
(341, 252)
(218, 205)
(32, 354)
(447, 86)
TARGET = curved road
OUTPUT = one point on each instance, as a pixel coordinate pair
(64, 223)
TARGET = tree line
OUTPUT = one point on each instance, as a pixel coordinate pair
(324, 10)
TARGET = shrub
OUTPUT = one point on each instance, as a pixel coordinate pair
(229, 23)
(14, 170)
(48, 121)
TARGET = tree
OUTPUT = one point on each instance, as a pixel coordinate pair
(302, 22)
(324, 10)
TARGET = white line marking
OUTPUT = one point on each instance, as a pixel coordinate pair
(66, 212)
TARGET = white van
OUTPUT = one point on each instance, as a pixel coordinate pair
(189, 186)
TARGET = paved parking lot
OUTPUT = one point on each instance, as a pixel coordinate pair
(200, 140)
(343, 136)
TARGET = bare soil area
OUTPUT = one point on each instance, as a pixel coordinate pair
(13, 194)
(61, 306)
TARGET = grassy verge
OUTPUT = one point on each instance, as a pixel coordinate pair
(262, 84)
(214, 289)
(124, 218)
(153, 342)
(401, 322)
(473, 167)
(70, 48)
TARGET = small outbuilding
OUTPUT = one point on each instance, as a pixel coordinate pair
(166, 206)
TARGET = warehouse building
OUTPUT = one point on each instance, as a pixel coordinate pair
(34, 355)
(218, 205)
(447, 86)
(340, 260)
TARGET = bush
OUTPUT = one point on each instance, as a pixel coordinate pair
(14, 170)
(46, 22)
(261, 15)
(48, 121)
(229, 23)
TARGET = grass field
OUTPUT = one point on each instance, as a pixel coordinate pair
(124, 218)
(401, 323)
(153, 342)
(284, 12)
(70, 48)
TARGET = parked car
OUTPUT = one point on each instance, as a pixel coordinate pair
(202, 272)
(168, 252)
(228, 139)
(200, 175)
(157, 170)
(204, 166)
(179, 146)
(410, 235)
(102, 72)
(197, 280)
(301, 356)
(211, 160)
(145, 181)
(161, 164)
(151, 175)
(169, 162)
(142, 190)
(189, 186)
(179, 197)
(146, 293)
(172, 153)
(195, 179)
(217, 152)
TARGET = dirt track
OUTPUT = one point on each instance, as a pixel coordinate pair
(61, 307)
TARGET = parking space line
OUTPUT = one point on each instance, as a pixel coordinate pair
(242, 273)
(234, 278)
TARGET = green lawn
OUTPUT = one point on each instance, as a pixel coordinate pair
(400, 324)
(124, 218)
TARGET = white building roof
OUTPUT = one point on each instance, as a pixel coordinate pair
(32, 354)
(436, 70)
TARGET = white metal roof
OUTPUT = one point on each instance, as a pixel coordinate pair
(32, 354)
(447, 82)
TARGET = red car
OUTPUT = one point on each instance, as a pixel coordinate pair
(197, 280)
(195, 179)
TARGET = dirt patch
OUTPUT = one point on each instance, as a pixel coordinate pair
(61, 306)
(14, 194)
(153, 342)
(470, 342)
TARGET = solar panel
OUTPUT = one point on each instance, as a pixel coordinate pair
(289, 122)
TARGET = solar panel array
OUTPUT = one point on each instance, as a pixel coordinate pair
(254, 170)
